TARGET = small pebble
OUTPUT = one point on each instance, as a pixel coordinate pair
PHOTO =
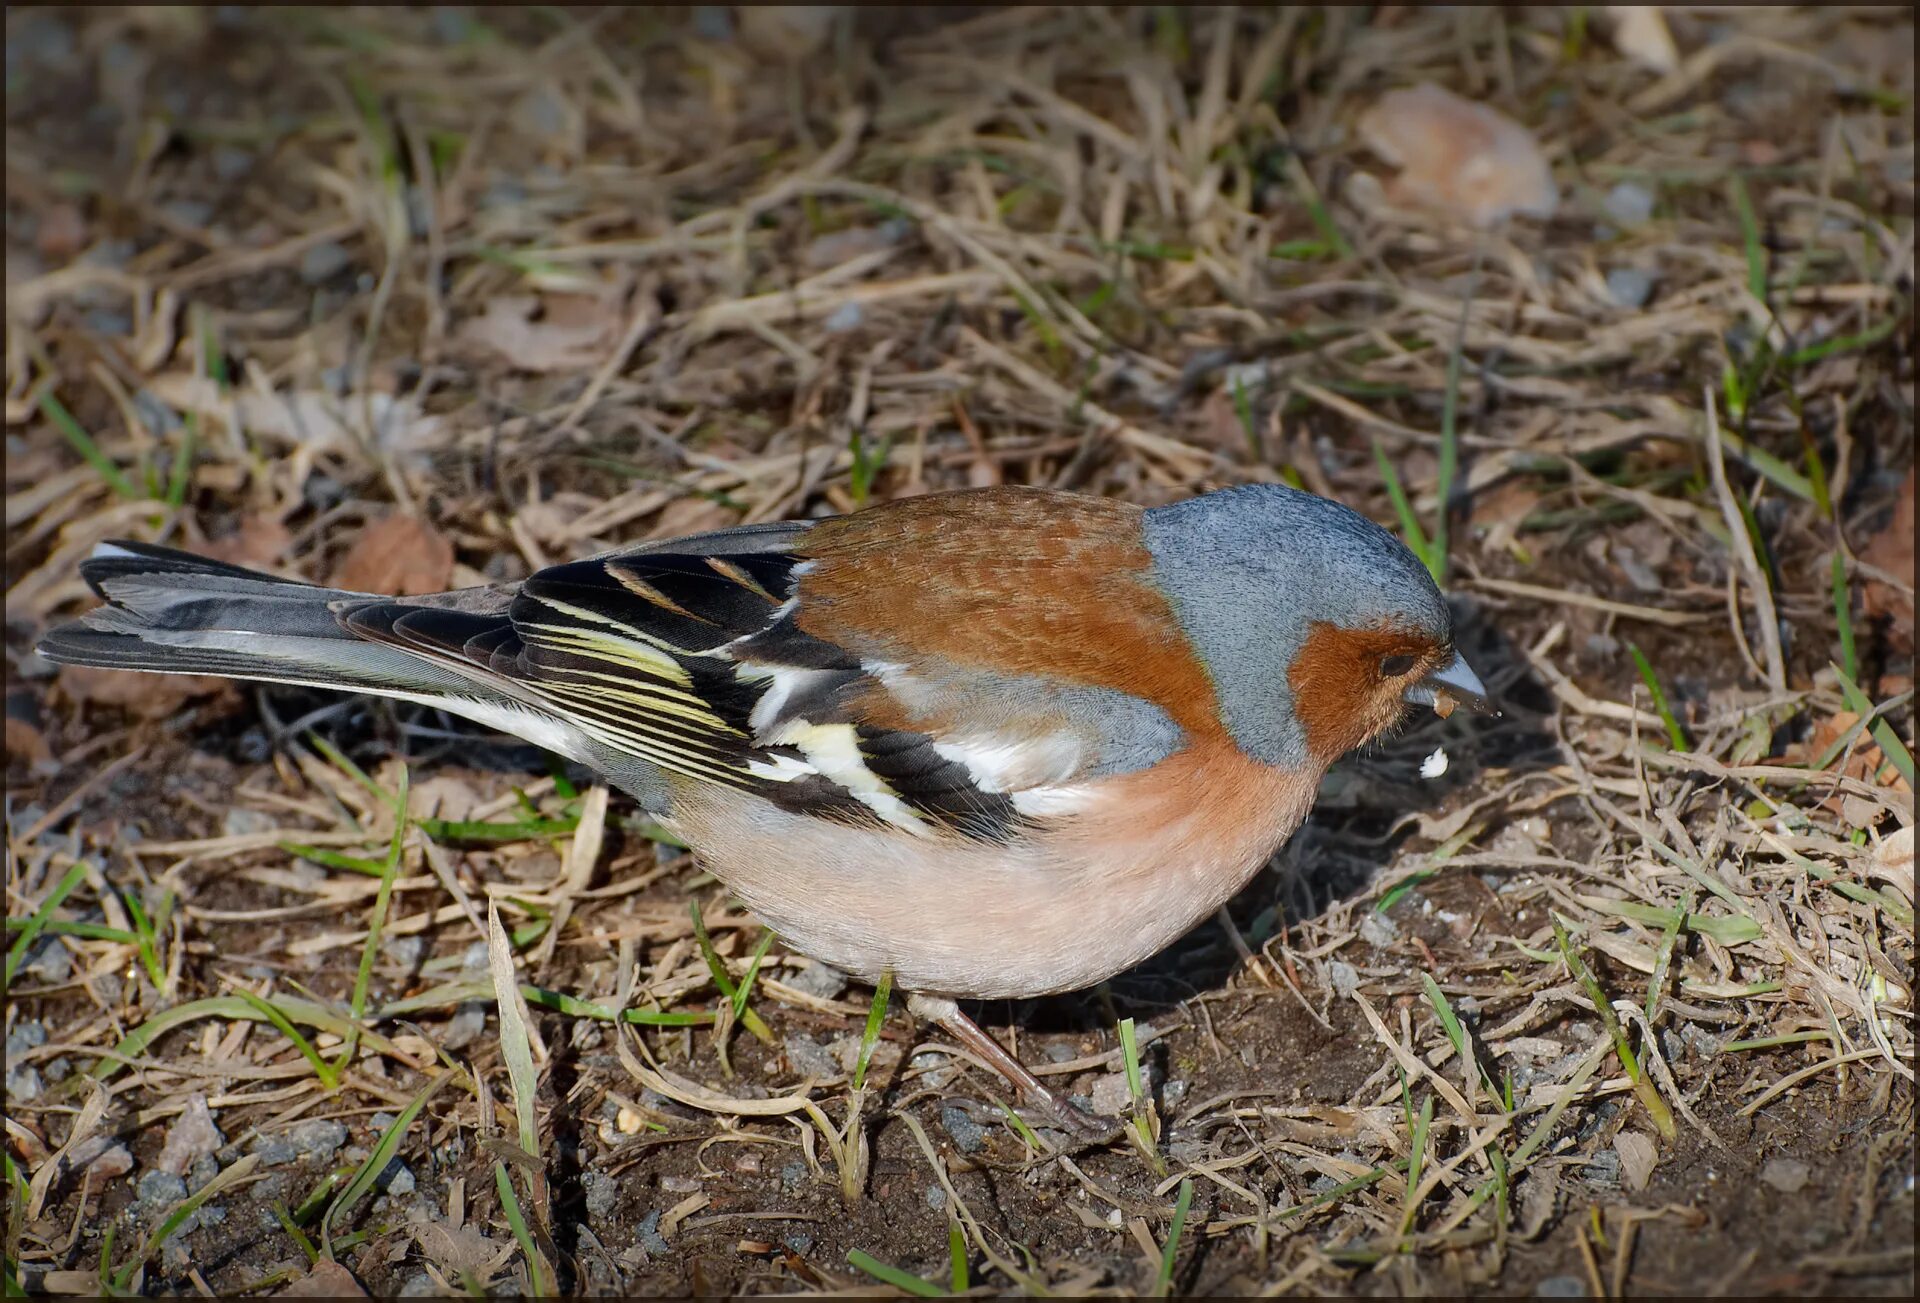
(204, 1169)
(1629, 287)
(320, 1137)
(713, 22)
(969, 1135)
(238, 820)
(1060, 1052)
(1787, 1175)
(398, 1179)
(419, 1285)
(810, 1058)
(823, 980)
(1561, 1287)
(159, 1191)
(1628, 204)
(793, 1176)
(646, 1233)
(936, 1197)
(465, 1026)
(323, 262)
(799, 1242)
(1344, 977)
(275, 1151)
(603, 1194)
(848, 316)
(231, 163)
(24, 1083)
(1376, 929)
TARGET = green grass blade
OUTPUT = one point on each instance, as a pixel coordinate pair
(876, 1016)
(328, 1073)
(1675, 734)
(893, 1276)
(36, 923)
(1163, 1281)
(1415, 536)
(376, 1161)
(1843, 617)
(510, 1204)
(1890, 744)
(82, 442)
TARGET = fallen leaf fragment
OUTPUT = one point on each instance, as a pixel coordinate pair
(1640, 32)
(324, 1279)
(399, 555)
(150, 696)
(553, 332)
(1891, 550)
(1457, 157)
(1893, 861)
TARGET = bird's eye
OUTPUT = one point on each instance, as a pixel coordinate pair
(1394, 666)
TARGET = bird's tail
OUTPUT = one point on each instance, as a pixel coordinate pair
(172, 612)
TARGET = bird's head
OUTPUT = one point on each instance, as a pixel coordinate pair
(1317, 626)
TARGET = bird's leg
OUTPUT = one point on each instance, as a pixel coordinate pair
(940, 1010)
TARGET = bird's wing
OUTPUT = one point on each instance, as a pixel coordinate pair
(939, 668)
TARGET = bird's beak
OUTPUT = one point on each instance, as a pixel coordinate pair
(1453, 684)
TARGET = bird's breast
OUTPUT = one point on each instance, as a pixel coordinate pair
(1068, 903)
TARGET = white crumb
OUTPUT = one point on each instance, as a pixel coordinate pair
(1434, 765)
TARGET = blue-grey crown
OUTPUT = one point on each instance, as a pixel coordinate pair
(1248, 569)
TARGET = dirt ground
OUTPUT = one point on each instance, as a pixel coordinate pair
(406, 299)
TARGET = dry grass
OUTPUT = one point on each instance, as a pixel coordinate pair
(545, 282)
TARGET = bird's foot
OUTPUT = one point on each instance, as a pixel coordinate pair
(946, 1014)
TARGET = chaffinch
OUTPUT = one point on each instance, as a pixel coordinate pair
(1001, 743)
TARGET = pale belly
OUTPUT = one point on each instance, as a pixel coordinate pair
(1058, 911)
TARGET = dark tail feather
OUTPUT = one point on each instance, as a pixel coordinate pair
(175, 613)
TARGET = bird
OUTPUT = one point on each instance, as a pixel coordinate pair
(987, 744)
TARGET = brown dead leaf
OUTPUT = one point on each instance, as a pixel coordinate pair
(1867, 763)
(324, 1279)
(62, 233)
(1458, 157)
(26, 743)
(1893, 861)
(1640, 32)
(150, 696)
(1638, 1155)
(400, 556)
(550, 332)
(260, 543)
(1891, 550)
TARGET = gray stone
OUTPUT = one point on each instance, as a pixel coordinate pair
(397, 1180)
(241, 822)
(230, 163)
(1629, 287)
(204, 1169)
(936, 1197)
(1060, 1052)
(1628, 204)
(468, 1023)
(420, 1285)
(1561, 1287)
(109, 322)
(823, 980)
(276, 1151)
(848, 316)
(318, 1137)
(1787, 1175)
(646, 1233)
(793, 1176)
(969, 1135)
(323, 262)
(189, 212)
(713, 22)
(810, 1058)
(159, 1191)
(24, 1037)
(1344, 977)
(799, 1242)
(24, 1083)
(603, 1194)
